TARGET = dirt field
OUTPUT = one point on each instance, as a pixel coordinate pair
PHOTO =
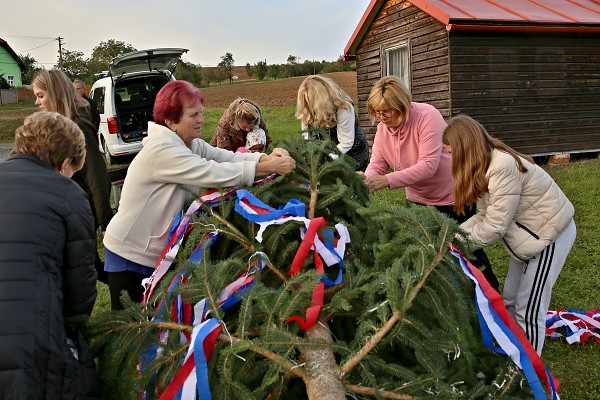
(279, 93)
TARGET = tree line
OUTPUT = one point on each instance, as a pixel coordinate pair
(75, 65)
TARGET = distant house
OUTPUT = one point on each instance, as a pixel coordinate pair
(528, 70)
(11, 65)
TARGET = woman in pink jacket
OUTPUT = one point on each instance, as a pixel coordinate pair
(409, 142)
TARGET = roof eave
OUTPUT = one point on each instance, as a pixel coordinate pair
(361, 29)
(490, 27)
(5, 44)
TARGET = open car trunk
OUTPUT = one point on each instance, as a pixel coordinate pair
(137, 77)
(134, 102)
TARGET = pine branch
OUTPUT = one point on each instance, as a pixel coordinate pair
(233, 232)
(287, 365)
(314, 192)
(277, 272)
(396, 316)
(510, 381)
(371, 344)
(386, 394)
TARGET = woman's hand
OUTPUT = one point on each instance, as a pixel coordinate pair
(376, 182)
(279, 152)
(278, 162)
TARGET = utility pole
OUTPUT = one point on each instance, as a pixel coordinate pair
(60, 59)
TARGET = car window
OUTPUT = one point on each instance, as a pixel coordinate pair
(98, 95)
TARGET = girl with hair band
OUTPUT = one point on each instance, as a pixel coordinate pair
(241, 117)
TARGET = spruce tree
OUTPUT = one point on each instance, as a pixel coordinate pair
(400, 325)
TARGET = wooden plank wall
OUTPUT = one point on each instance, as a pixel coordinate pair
(538, 92)
(398, 21)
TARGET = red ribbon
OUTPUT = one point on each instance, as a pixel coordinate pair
(318, 295)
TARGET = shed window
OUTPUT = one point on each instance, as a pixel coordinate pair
(11, 80)
(396, 63)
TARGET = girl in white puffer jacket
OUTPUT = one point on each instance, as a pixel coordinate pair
(520, 204)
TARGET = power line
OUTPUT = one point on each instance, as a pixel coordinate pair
(45, 44)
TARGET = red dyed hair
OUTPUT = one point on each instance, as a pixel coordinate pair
(171, 100)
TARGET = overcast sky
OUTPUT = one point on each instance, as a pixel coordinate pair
(250, 30)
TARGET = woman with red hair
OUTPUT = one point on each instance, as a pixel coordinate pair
(153, 193)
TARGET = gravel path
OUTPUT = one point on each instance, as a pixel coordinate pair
(5, 148)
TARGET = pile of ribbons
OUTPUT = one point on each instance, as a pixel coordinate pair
(497, 324)
(192, 377)
(576, 326)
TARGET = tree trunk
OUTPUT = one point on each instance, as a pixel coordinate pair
(324, 382)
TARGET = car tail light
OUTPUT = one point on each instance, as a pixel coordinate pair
(113, 126)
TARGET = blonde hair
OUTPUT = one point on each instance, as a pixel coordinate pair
(52, 138)
(392, 94)
(242, 109)
(319, 99)
(471, 148)
(62, 96)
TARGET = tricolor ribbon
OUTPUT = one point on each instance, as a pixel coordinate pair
(496, 322)
(179, 229)
(256, 211)
(578, 325)
(192, 377)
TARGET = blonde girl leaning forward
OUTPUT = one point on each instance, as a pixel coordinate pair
(324, 105)
(520, 204)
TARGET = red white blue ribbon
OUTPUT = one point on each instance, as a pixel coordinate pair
(256, 211)
(179, 229)
(577, 326)
(192, 377)
(496, 322)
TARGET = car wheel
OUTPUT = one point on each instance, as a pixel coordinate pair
(109, 159)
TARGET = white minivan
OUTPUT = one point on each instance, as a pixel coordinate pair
(125, 95)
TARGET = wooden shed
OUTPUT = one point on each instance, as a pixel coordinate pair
(528, 70)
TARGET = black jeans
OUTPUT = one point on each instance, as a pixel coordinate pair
(481, 260)
(129, 281)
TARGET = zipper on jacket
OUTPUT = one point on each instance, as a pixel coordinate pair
(527, 230)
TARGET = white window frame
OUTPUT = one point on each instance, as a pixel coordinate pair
(11, 80)
(390, 59)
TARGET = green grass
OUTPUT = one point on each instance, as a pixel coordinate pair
(10, 122)
(21, 105)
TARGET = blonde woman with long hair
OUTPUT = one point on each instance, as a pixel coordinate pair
(322, 104)
(520, 204)
(54, 91)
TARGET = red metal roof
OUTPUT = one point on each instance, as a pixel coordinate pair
(569, 14)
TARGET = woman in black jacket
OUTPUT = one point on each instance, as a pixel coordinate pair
(47, 277)
(55, 92)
